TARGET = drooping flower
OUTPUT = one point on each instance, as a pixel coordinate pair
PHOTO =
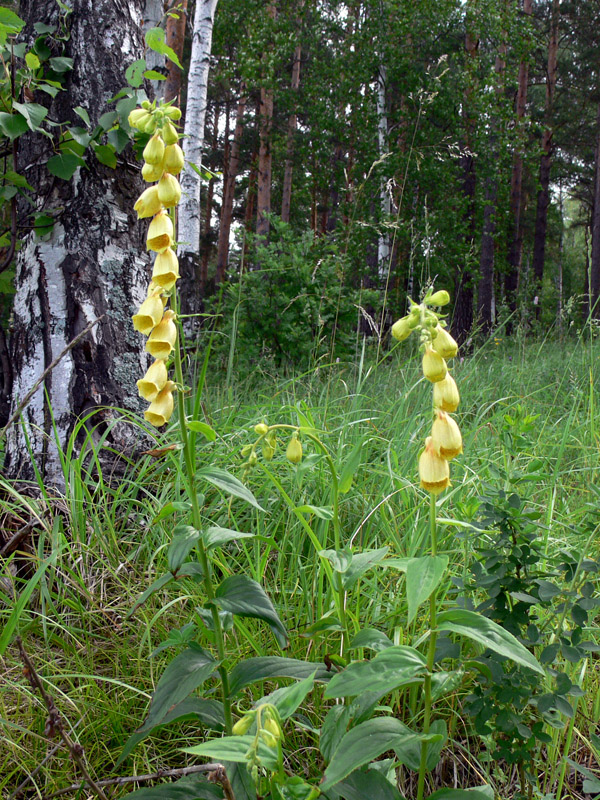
(160, 233)
(154, 152)
(154, 381)
(152, 172)
(434, 366)
(166, 269)
(161, 409)
(169, 133)
(294, 450)
(441, 298)
(401, 329)
(434, 471)
(149, 314)
(445, 394)
(444, 343)
(148, 203)
(174, 160)
(169, 190)
(445, 436)
(162, 339)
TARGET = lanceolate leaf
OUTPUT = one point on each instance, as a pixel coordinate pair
(423, 576)
(228, 483)
(192, 787)
(361, 563)
(240, 595)
(234, 748)
(253, 670)
(489, 634)
(393, 667)
(288, 699)
(463, 794)
(217, 537)
(369, 785)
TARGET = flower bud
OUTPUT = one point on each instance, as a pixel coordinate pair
(174, 159)
(169, 133)
(268, 738)
(434, 366)
(273, 727)
(152, 172)
(243, 725)
(268, 450)
(160, 233)
(445, 437)
(445, 394)
(149, 314)
(441, 298)
(261, 429)
(148, 203)
(294, 450)
(161, 409)
(173, 113)
(443, 343)
(169, 190)
(162, 339)
(434, 471)
(401, 329)
(154, 152)
(138, 118)
(166, 269)
(146, 104)
(154, 381)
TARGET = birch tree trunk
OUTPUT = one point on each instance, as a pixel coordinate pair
(195, 117)
(594, 272)
(383, 244)
(92, 264)
(153, 16)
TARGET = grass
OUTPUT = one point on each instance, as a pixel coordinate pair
(99, 663)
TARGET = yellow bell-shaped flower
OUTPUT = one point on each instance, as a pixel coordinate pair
(149, 313)
(443, 343)
(169, 133)
(162, 339)
(445, 394)
(160, 233)
(173, 113)
(138, 118)
(166, 269)
(434, 366)
(148, 203)
(154, 381)
(294, 450)
(401, 329)
(441, 298)
(152, 172)
(161, 409)
(154, 152)
(169, 190)
(445, 436)
(173, 161)
(434, 471)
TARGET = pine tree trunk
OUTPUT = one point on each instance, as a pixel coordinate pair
(595, 258)
(229, 191)
(195, 117)
(543, 198)
(93, 263)
(265, 156)
(175, 38)
(286, 194)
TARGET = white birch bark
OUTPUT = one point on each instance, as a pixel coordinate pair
(383, 244)
(153, 16)
(195, 116)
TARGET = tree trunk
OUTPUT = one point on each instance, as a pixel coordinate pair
(229, 191)
(207, 236)
(594, 278)
(195, 116)
(286, 194)
(265, 156)
(383, 244)
(153, 17)
(543, 198)
(93, 263)
(175, 38)
(515, 233)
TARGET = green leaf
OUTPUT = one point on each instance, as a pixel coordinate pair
(489, 634)
(43, 224)
(217, 537)
(410, 753)
(322, 512)
(423, 576)
(155, 39)
(64, 165)
(480, 793)
(172, 508)
(234, 748)
(61, 64)
(154, 587)
(32, 61)
(34, 113)
(253, 670)
(201, 427)
(153, 75)
(183, 542)
(118, 139)
(134, 74)
(364, 743)
(12, 125)
(340, 560)
(350, 468)
(394, 667)
(228, 483)
(289, 698)
(105, 154)
(41, 28)
(80, 135)
(10, 176)
(372, 639)
(191, 787)
(83, 114)
(240, 595)
(361, 563)
(370, 785)
(185, 673)
(108, 119)
(8, 19)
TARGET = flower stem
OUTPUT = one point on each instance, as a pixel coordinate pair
(430, 655)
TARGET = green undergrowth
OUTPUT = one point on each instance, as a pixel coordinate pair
(528, 416)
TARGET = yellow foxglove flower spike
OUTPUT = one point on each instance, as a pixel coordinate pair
(148, 203)
(166, 269)
(445, 436)
(169, 190)
(161, 409)
(154, 152)
(162, 339)
(160, 233)
(434, 471)
(443, 343)
(149, 314)
(152, 172)
(154, 381)
(174, 159)
(445, 394)
(434, 366)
